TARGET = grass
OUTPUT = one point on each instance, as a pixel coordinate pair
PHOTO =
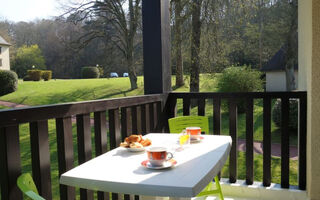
(60, 91)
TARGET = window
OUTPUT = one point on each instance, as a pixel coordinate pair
(0, 50)
(0, 62)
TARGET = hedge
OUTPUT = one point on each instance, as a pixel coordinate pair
(34, 74)
(46, 75)
(90, 72)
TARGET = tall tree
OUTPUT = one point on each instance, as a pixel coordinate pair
(195, 45)
(124, 21)
(179, 18)
(292, 47)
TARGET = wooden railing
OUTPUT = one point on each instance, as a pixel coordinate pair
(232, 98)
(123, 116)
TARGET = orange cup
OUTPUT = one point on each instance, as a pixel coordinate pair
(194, 132)
(158, 155)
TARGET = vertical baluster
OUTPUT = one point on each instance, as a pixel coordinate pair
(170, 110)
(217, 119)
(249, 141)
(285, 142)
(159, 116)
(40, 156)
(10, 164)
(233, 134)
(100, 136)
(266, 141)
(65, 154)
(114, 128)
(125, 121)
(151, 117)
(144, 119)
(134, 120)
(302, 142)
(139, 122)
(84, 147)
(186, 106)
(216, 116)
(201, 106)
(115, 134)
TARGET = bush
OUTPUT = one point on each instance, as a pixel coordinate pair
(8, 82)
(34, 75)
(90, 72)
(27, 78)
(239, 79)
(46, 75)
(293, 114)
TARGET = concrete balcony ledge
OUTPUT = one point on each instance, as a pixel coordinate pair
(240, 190)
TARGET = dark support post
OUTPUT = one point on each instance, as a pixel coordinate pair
(40, 155)
(156, 46)
(10, 164)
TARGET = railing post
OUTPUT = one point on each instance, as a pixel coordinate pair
(249, 141)
(84, 147)
(65, 154)
(10, 164)
(40, 155)
(233, 133)
(266, 141)
(285, 106)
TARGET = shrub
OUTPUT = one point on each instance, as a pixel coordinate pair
(90, 72)
(8, 82)
(46, 75)
(293, 114)
(34, 75)
(239, 79)
(27, 78)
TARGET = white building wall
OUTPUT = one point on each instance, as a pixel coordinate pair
(5, 58)
(276, 81)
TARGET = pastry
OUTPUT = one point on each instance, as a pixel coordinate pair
(136, 145)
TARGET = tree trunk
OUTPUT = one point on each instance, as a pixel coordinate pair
(292, 48)
(178, 43)
(132, 71)
(195, 46)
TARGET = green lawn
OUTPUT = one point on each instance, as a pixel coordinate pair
(59, 91)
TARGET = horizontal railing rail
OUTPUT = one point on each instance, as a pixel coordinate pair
(199, 100)
(119, 117)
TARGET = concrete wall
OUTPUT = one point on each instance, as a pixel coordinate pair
(5, 58)
(276, 81)
(309, 57)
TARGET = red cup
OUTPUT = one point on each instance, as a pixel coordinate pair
(158, 155)
(194, 132)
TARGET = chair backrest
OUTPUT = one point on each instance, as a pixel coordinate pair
(27, 186)
(177, 124)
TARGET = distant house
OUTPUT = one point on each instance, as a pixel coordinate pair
(4, 54)
(275, 72)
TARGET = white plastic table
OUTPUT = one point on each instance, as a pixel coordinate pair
(120, 171)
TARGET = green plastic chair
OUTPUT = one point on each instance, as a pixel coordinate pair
(27, 186)
(177, 125)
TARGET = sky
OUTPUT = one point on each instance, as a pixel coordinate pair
(28, 10)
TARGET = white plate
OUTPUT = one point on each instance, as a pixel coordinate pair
(135, 149)
(195, 140)
(165, 165)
